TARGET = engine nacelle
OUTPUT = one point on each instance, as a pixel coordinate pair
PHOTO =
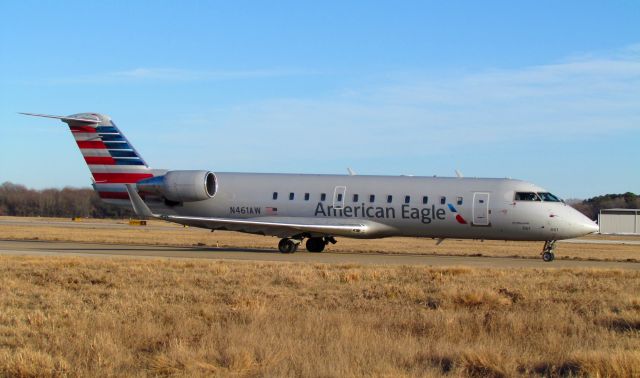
(181, 186)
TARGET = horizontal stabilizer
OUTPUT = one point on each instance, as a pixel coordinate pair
(95, 120)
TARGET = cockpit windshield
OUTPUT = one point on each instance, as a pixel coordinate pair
(548, 197)
(527, 196)
(532, 196)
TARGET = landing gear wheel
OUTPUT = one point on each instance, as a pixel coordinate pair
(547, 251)
(315, 244)
(287, 246)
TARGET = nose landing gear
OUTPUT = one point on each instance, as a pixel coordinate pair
(547, 251)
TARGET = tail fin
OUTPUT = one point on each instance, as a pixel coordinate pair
(112, 160)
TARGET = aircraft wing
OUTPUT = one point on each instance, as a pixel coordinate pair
(278, 226)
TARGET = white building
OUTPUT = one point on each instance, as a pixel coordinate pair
(619, 221)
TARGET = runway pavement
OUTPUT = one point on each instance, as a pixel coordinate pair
(63, 223)
(603, 241)
(93, 224)
(46, 248)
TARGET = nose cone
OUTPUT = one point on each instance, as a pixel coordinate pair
(589, 226)
(580, 225)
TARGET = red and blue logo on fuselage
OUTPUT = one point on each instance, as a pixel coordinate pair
(459, 217)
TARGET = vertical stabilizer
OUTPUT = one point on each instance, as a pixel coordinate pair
(111, 158)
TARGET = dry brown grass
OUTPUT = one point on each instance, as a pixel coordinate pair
(154, 317)
(162, 233)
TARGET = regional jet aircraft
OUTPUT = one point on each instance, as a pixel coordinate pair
(320, 208)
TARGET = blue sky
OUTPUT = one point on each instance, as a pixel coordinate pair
(544, 91)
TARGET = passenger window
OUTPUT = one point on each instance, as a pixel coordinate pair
(526, 196)
(339, 197)
(443, 200)
(407, 199)
(323, 196)
(275, 195)
(306, 196)
(291, 196)
(372, 198)
(459, 200)
(355, 198)
(425, 200)
(389, 198)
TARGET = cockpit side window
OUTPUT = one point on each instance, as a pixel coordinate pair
(548, 197)
(526, 196)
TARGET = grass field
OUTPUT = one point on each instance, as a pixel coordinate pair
(153, 317)
(162, 233)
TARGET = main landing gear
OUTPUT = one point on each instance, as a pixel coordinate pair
(315, 244)
(547, 251)
(288, 245)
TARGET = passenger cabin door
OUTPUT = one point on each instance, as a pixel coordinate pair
(338, 197)
(480, 209)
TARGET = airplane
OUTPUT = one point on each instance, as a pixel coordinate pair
(320, 208)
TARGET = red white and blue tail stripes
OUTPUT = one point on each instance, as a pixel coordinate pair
(110, 157)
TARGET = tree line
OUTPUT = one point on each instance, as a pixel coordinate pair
(592, 206)
(18, 200)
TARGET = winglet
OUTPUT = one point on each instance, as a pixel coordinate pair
(141, 209)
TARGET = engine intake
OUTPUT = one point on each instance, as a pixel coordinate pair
(181, 186)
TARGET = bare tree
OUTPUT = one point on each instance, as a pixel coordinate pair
(19, 200)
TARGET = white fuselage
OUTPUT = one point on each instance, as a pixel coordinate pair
(475, 208)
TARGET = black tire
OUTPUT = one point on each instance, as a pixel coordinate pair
(548, 256)
(315, 244)
(287, 246)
